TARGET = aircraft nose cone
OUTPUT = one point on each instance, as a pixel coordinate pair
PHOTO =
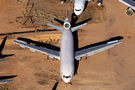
(77, 13)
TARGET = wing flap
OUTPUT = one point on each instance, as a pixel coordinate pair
(96, 49)
(51, 53)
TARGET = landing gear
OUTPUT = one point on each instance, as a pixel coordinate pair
(69, 84)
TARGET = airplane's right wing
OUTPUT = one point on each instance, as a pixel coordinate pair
(49, 52)
(4, 81)
(96, 49)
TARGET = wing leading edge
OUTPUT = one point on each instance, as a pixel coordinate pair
(96, 49)
(49, 52)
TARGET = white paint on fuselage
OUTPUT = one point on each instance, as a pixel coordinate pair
(67, 56)
(79, 6)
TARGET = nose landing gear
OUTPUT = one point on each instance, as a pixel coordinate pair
(69, 83)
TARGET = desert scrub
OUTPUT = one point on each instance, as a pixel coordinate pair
(17, 1)
(42, 82)
(11, 36)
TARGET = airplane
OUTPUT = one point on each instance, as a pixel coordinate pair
(79, 5)
(1, 48)
(131, 6)
(67, 55)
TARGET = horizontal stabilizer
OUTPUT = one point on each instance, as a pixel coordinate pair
(56, 27)
(4, 81)
(77, 27)
(3, 60)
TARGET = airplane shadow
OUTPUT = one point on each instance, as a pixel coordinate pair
(7, 77)
(39, 44)
(33, 31)
(2, 47)
(55, 86)
(74, 19)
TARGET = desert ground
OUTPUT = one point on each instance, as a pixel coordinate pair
(113, 69)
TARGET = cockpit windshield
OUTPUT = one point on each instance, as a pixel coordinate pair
(66, 76)
(78, 9)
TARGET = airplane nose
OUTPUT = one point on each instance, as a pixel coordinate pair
(77, 12)
(66, 80)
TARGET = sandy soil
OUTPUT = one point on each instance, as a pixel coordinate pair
(112, 69)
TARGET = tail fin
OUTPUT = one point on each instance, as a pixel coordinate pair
(67, 10)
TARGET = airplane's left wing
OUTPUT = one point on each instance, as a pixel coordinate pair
(96, 49)
(49, 52)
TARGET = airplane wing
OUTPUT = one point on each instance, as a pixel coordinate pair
(96, 49)
(129, 3)
(49, 52)
(4, 81)
(3, 60)
(56, 27)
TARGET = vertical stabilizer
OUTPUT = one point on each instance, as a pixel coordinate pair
(67, 10)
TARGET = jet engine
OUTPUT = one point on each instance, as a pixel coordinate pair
(129, 12)
(67, 25)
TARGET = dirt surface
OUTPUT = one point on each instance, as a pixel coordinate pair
(112, 69)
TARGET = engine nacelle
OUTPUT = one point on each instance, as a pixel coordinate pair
(99, 2)
(129, 12)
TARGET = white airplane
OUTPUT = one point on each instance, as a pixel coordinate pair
(79, 5)
(131, 6)
(67, 55)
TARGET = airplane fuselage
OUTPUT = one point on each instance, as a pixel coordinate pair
(67, 56)
(79, 6)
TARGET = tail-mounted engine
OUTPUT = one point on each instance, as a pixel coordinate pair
(67, 24)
